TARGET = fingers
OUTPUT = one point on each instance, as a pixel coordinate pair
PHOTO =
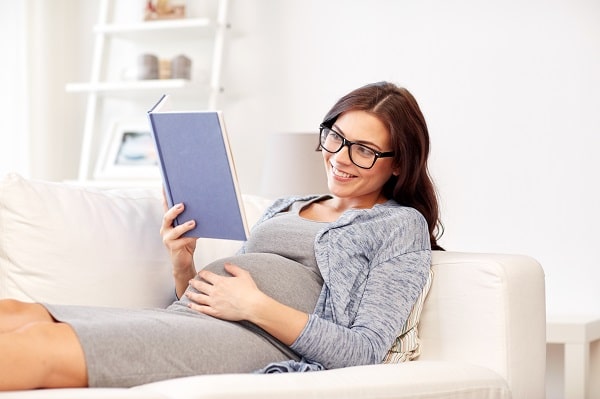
(207, 310)
(209, 277)
(211, 297)
(171, 214)
(168, 230)
(202, 284)
(230, 268)
(201, 300)
(226, 297)
(234, 270)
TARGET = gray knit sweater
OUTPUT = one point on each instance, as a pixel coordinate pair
(374, 264)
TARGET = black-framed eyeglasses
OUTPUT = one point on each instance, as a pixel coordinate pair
(361, 155)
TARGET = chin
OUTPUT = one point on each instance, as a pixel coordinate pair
(339, 191)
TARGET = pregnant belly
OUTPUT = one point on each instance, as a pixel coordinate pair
(286, 281)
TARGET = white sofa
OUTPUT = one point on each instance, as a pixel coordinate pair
(482, 328)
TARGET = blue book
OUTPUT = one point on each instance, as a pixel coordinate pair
(197, 169)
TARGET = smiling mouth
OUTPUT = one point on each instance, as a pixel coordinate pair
(339, 173)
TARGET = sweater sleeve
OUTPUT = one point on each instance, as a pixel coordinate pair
(396, 275)
(391, 290)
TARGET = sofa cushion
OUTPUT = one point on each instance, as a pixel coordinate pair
(68, 244)
(407, 345)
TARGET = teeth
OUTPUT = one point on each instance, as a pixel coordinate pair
(341, 174)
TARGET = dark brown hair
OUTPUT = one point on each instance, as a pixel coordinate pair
(398, 110)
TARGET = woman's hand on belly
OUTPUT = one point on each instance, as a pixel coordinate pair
(224, 297)
(237, 297)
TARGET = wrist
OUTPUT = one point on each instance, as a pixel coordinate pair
(184, 271)
(181, 277)
(281, 321)
(184, 274)
(257, 308)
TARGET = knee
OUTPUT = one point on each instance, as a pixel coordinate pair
(12, 306)
(56, 344)
(15, 314)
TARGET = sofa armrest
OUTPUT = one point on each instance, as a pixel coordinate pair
(488, 310)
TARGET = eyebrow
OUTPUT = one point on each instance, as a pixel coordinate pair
(364, 142)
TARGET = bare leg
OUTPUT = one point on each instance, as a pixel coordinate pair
(37, 352)
(16, 314)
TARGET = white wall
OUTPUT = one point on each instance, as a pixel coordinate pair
(14, 134)
(511, 91)
(46, 45)
(58, 47)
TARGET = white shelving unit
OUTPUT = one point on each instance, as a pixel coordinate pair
(203, 91)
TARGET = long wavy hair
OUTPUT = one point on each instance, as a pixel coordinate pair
(398, 110)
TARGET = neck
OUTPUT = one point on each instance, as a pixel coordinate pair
(340, 204)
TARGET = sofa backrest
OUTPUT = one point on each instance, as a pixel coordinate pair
(70, 244)
(67, 244)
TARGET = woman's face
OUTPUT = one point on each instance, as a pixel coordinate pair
(346, 180)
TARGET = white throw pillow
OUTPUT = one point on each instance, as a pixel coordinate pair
(67, 244)
(407, 345)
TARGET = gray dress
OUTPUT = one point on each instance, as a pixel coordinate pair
(127, 347)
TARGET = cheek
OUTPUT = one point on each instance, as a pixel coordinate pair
(380, 174)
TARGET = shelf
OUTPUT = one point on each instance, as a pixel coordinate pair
(112, 90)
(153, 29)
(142, 89)
(154, 84)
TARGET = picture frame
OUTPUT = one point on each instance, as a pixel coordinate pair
(128, 153)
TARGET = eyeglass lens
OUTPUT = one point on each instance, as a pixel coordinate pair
(360, 155)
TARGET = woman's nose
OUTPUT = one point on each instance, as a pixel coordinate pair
(343, 155)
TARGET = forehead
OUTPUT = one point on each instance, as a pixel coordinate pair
(364, 127)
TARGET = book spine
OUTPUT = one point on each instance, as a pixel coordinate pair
(163, 170)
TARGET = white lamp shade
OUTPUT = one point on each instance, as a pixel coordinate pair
(292, 166)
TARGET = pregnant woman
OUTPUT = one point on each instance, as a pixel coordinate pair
(323, 281)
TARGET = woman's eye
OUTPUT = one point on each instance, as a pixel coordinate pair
(334, 136)
(364, 151)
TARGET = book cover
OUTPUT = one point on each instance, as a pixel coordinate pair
(197, 169)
